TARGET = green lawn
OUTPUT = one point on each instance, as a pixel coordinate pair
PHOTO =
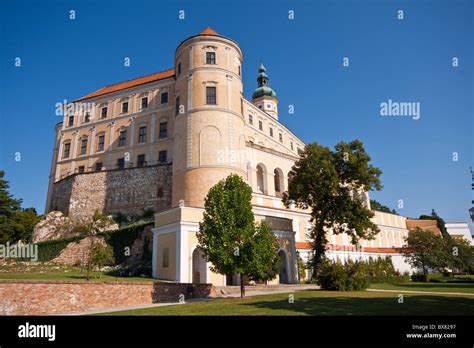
(44, 271)
(437, 287)
(318, 302)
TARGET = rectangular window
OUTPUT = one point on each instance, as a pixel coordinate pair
(260, 125)
(211, 96)
(98, 166)
(83, 146)
(210, 57)
(121, 163)
(250, 119)
(177, 106)
(166, 257)
(160, 192)
(103, 112)
(122, 138)
(145, 103)
(291, 144)
(142, 135)
(163, 130)
(280, 136)
(80, 169)
(271, 131)
(162, 156)
(124, 107)
(141, 161)
(179, 69)
(239, 71)
(67, 149)
(164, 98)
(87, 117)
(100, 142)
(70, 121)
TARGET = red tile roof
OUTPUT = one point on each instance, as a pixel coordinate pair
(208, 31)
(131, 83)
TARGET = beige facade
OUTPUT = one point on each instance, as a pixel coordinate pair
(196, 118)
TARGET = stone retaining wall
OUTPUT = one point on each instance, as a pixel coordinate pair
(60, 297)
(128, 191)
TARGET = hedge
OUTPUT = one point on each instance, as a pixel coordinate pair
(390, 279)
(50, 249)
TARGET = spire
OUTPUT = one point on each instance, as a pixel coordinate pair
(263, 88)
(208, 31)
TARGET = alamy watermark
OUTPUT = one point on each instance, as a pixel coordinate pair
(19, 251)
(393, 108)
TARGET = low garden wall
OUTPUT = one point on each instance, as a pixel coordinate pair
(59, 297)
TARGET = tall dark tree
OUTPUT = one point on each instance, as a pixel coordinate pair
(330, 184)
(375, 205)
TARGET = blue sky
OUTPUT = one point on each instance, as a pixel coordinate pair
(407, 60)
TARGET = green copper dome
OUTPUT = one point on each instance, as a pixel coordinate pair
(263, 89)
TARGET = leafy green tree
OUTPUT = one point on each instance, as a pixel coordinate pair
(301, 269)
(328, 182)
(375, 205)
(101, 255)
(15, 223)
(229, 237)
(461, 255)
(439, 223)
(425, 250)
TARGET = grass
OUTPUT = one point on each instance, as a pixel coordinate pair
(47, 271)
(436, 287)
(318, 302)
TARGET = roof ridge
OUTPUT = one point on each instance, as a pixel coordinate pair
(136, 78)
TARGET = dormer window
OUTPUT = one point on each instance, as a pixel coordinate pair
(210, 57)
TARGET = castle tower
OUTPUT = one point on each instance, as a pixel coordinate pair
(264, 97)
(209, 125)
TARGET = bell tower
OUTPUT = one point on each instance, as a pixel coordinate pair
(264, 97)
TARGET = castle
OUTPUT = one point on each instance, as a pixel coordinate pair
(161, 141)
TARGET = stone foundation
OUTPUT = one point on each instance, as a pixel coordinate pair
(61, 297)
(128, 191)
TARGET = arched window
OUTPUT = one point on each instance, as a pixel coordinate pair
(278, 180)
(261, 173)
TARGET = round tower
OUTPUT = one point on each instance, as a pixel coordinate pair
(264, 97)
(209, 127)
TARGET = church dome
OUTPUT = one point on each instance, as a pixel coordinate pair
(263, 89)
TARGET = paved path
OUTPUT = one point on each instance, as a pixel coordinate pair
(249, 292)
(424, 292)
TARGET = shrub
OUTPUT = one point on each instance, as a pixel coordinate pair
(348, 277)
(101, 255)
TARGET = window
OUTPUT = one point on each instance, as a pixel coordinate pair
(179, 69)
(98, 166)
(124, 107)
(163, 130)
(162, 156)
(83, 146)
(80, 169)
(122, 138)
(141, 161)
(164, 98)
(142, 135)
(103, 112)
(160, 192)
(239, 71)
(210, 57)
(177, 107)
(121, 163)
(67, 150)
(145, 103)
(260, 125)
(70, 121)
(100, 142)
(250, 119)
(211, 96)
(87, 117)
(291, 144)
(166, 257)
(271, 131)
(280, 136)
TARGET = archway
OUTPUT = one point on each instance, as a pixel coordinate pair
(278, 181)
(284, 276)
(261, 178)
(199, 267)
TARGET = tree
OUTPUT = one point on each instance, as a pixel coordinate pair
(329, 183)
(375, 205)
(461, 254)
(101, 255)
(425, 250)
(15, 223)
(97, 224)
(229, 237)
